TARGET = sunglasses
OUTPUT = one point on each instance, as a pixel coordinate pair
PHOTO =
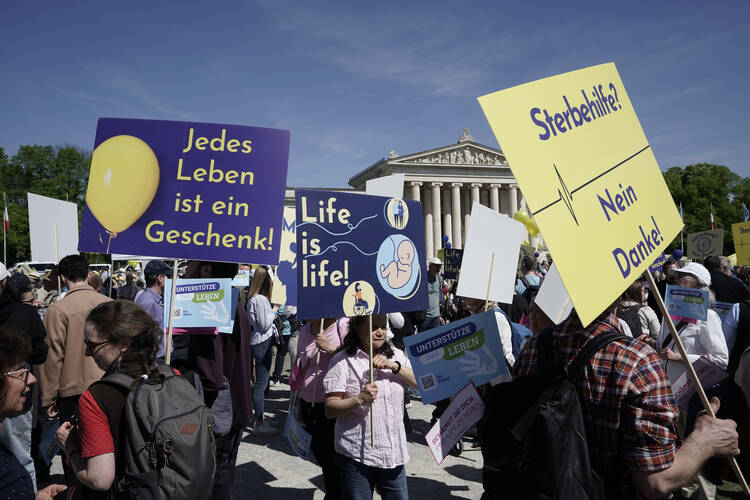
(94, 346)
(22, 374)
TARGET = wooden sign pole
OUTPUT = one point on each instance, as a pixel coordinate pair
(317, 365)
(372, 380)
(489, 282)
(168, 343)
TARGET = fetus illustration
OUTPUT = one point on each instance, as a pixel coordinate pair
(398, 272)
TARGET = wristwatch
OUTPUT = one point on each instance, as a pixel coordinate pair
(398, 367)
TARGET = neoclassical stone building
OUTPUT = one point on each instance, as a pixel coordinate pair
(447, 180)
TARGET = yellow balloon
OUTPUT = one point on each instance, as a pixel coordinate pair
(522, 216)
(533, 228)
(123, 181)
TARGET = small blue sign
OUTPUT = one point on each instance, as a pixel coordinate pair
(201, 303)
(447, 358)
(687, 304)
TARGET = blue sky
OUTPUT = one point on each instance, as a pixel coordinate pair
(352, 80)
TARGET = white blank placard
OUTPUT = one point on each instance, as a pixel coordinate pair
(489, 232)
(47, 215)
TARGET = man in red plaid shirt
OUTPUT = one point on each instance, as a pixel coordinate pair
(630, 412)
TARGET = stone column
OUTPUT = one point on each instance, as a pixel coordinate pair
(447, 221)
(513, 205)
(475, 194)
(429, 240)
(437, 218)
(467, 213)
(495, 197)
(415, 190)
(456, 214)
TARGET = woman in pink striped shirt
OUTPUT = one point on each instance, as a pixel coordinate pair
(348, 399)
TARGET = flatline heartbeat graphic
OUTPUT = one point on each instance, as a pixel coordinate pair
(566, 196)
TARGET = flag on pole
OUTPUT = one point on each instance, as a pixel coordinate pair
(681, 217)
(713, 224)
(6, 220)
(745, 212)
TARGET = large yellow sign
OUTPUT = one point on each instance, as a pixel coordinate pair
(741, 234)
(590, 179)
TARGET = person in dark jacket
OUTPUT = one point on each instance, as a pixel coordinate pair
(16, 312)
(724, 285)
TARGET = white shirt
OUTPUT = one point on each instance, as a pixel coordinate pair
(702, 338)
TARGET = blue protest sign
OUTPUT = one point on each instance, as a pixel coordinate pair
(722, 309)
(242, 279)
(687, 304)
(201, 303)
(358, 255)
(452, 263)
(657, 263)
(186, 190)
(447, 358)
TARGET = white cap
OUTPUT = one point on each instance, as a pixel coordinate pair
(3, 271)
(696, 270)
(434, 260)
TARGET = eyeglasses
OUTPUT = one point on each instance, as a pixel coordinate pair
(22, 374)
(94, 346)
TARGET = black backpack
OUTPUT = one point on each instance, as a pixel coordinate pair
(531, 290)
(169, 441)
(533, 434)
(629, 314)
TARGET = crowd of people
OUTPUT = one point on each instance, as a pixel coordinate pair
(60, 343)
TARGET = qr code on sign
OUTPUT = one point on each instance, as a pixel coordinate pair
(177, 312)
(427, 381)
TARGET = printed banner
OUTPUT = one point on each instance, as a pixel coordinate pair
(686, 304)
(705, 244)
(359, 254)
(285, 285)
(452, 262)
(708, 373)
(186, 190)
(200, 303)
(447, 358)
(656, 265)
(722, 309)
(589, 178)
(242, 279)
(465, 410)
(741, 234)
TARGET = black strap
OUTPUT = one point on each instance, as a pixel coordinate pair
(668, 339)
(591, 347)
(525, 282)
(546, 352)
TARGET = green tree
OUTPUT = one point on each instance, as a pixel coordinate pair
(702, 186)
(57, 172)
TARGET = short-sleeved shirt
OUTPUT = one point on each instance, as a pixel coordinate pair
(626, 399)
(349, 374)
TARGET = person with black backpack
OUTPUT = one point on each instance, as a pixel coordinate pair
(640, 318)
(591, 415)
(142, 430)
(529, 283)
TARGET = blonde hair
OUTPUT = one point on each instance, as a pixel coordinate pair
(261, 284)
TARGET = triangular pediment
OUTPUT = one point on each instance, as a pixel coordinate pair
(461, 154)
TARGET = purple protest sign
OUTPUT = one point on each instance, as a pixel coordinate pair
(186, 190)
